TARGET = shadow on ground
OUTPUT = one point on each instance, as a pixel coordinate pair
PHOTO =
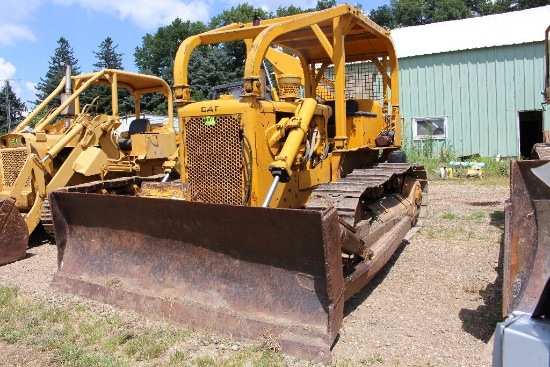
(358, 298)
(39, 237)
(481, 322)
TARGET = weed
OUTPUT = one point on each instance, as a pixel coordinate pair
(6, 295)
(146, 346)
(72, 354)
(451, 216)
(204, 361)
(268, 358)
(10, 335)
(372, 360)
(177, 358)
(344, 363)
(476, 215)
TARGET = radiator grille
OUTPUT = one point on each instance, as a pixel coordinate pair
(11, 163)
(214, 158)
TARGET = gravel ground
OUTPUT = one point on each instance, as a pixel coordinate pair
(434, 304)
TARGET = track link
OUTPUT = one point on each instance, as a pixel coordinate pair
(362, 184)
(46, 218)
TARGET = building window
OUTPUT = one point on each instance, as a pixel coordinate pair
(430, 127)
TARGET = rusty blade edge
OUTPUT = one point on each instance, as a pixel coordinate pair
(293, 340)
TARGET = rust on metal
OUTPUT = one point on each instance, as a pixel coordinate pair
(14, 235)
(527, 239)
(197, 264)
(169, 190)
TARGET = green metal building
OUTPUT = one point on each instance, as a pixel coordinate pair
(473, 86)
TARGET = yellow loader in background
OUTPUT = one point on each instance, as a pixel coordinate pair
(72, 145)
(277, 211)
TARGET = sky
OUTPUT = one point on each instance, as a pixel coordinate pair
(30, 29)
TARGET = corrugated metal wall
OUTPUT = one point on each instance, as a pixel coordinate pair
(481, 92)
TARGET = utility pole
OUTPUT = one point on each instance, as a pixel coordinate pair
(8, 112)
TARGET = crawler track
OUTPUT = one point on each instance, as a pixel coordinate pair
(379, 186)
(362, 184)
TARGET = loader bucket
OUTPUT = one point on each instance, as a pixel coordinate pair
(254, 273)
(14, 234)
(527, 237)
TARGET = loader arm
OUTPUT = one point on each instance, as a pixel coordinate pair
(86, 158)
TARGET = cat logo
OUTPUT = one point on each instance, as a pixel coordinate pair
(209, 108)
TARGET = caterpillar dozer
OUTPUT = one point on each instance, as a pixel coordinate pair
(71, 145)
(276, 212)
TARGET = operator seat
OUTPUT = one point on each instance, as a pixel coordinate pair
(351, 109)
(138, 126)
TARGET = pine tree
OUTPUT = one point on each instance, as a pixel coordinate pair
(56, 71)
(9, 101)
(107, 56)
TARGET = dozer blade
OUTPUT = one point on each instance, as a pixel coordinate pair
(254, 273)
(527, 237)
(14, 234)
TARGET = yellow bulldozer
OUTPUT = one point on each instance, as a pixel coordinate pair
(277, 211)
(73, 144)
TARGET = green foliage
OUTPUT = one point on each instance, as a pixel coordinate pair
(418, 12)
(157, 53)
(63, 55)
(9, 101)
(210, 67)
(383, 15)
(107, 56)
(325, 4)
(405, 13)
(287, 11)
(236, 51)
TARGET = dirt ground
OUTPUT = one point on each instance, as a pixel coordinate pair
(434, 304)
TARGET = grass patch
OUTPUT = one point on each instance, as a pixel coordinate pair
(472, 216)
(150, 345)
(372, 360)
(450, 216)
(78, 337)
(71, 354)
(256, 357)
